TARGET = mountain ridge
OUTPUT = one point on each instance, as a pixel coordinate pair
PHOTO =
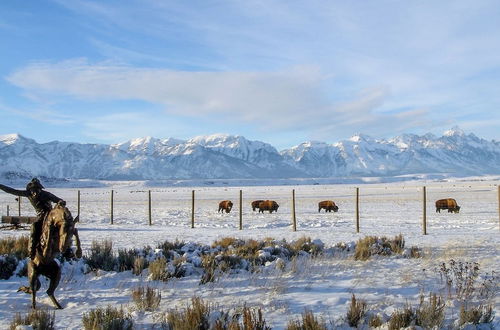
(224, 156)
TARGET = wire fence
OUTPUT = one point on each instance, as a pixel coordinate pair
(360, 207)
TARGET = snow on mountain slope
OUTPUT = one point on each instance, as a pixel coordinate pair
(230, 157)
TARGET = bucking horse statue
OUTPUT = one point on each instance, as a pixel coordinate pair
(57, 234)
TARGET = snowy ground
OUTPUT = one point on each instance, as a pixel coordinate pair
(322, 285)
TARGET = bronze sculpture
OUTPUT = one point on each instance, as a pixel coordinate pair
(57, 232)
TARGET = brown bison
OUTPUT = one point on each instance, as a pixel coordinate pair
(449, 203)
(225, 206)
(255, 204)
(329, 206)
(268, 205)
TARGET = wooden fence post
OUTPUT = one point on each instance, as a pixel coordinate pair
(294, 218)
(19, 205)
(8, 210)
(192, 209)
(424, 215)
(112, 193)
(241, 210)
(149, 208)
(78, 204)
(357, 209)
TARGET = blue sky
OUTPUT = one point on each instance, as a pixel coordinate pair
(282, 72)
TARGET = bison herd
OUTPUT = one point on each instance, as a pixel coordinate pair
(271, 206)
(267, 205)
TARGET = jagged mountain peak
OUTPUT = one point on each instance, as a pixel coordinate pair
(361, 138)
(8, 139)
(454, 131)
(233, 156)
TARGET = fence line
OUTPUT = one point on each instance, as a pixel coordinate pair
(434, 188)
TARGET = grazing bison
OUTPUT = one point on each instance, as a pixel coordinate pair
(329, 206)
(255, 204)
(225, 206)
(449, 203)
(268, 206)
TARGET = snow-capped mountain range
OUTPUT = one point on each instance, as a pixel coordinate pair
(234, 157)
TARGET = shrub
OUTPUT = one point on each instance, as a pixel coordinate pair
(140, 263)
(430, 314)
(401, 318)
(167, 246)
(308, 322)
(17, 247)
(125, 259)
(251, 319)
(39, 319)
(371, 245)
(109, 318)
(356, 311)
(101, 256)
(194, 316)
(158, 270)
(375, 321)
(226, 242)
(147, 299)
(304, 244)
(460, 278)
(362, 250)
(8, 265)
(476, 315)
(249, 249)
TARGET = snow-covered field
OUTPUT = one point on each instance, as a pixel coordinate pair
(323, 285)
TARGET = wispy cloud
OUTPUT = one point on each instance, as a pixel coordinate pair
(292, 99)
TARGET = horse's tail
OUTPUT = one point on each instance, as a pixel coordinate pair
(27, 289)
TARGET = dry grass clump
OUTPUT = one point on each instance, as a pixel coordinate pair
(15, 246)
(356, 312)
(125, 259)
(202, 315)
(109, 318)
(140, 263)
(168, 247)
(227, 242)
(476, 314)
(304, 244)
(161, 270)
(146, 299)
(401, 318)
(249, 249)
(430, 314)
(194, 316)
(215, 265)
(375, 321)
(158, 270)
(38, 319)
(101, 256)
(372, 245)
(247, 319)
(307, 322)
(13, 250)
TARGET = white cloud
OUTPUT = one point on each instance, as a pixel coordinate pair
(290, 99)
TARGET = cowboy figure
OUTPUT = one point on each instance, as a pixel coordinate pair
(42, 202)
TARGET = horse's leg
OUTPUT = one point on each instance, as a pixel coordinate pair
(78, 244)
(54, 274)
(34, 282)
